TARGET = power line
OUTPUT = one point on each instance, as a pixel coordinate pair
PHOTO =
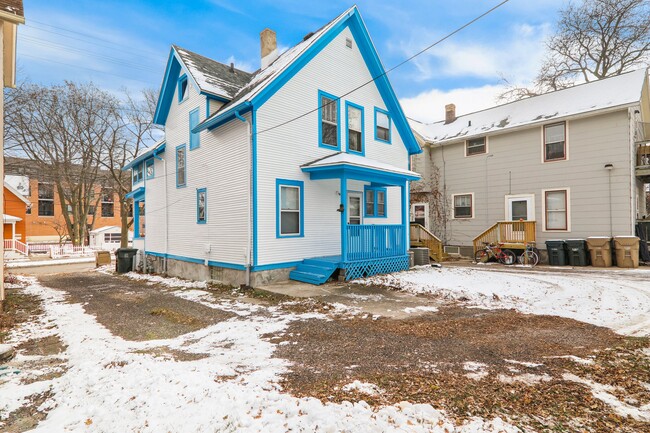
(372, 80)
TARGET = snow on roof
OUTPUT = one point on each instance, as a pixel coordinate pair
(17, 193)
(18, 183)
(10, 219)
(618, 91)
(13, 7)
(263, 77)
(358, 161)
(211, 76)
(105, 228)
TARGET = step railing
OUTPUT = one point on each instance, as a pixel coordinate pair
(507, 232)
(374, 241)
(16, 245)
(420, 236)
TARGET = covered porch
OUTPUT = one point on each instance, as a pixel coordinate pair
(368, 246)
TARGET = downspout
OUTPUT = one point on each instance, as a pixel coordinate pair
(249, 198)
(166, 209)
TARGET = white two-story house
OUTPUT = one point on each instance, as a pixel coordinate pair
(299, 169)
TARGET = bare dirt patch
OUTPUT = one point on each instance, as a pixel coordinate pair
(423, 360)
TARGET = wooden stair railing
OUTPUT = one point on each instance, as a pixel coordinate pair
(421, 237)
(513, 234)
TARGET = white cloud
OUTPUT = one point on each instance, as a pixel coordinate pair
(429, 106)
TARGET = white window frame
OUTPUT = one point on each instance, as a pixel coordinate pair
(453, 206)
(568, 210)
(531, 205)
(485, 140)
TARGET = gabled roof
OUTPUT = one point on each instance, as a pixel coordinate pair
(265, 82)
(208, 76)
(606, 94)
(17, 193)
(12, 10)
(344, 158)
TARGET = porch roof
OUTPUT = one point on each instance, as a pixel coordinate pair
(9, 219)
(357, 167)
(136, 194)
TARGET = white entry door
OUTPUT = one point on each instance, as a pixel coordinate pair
(355, 208)
(420, 214)
(520, 207)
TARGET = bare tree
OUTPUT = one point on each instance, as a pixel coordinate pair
(595, 39)
(134, 131)
(64, 130)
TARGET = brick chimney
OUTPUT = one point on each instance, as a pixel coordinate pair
(269, 47)
(450, 113)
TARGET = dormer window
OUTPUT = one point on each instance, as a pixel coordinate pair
(182, 88)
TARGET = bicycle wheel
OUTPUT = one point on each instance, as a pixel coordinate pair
(481, 256)
(507, 257)
(529, 258)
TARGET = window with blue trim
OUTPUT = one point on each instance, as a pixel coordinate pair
(375, 202)
(182, 88)
(328, 115)
(138, 173)
(354, 116)
(382, 125)
(149, 170)
(201, 206)
(290, 208)
(194, 136)
(181, 166)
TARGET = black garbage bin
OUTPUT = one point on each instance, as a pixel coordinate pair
(556, 252)
(577, 252)
(124, 262)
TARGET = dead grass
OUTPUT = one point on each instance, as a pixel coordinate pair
(177, 317)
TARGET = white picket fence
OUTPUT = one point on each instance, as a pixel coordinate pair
(68, 250)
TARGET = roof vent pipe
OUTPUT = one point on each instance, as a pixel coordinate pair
(450, 113)
(232, 67)
(269, 47)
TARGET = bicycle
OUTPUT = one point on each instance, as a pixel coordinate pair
(530, 256)
(495, 251)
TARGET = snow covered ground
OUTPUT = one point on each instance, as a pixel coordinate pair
(619, 300)
(114, 385)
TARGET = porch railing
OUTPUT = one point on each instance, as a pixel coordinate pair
(71, 251)
(508, 232)
(16, 245)
(374, 241)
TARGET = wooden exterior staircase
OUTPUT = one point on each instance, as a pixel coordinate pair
(513, 234)
(421, 237)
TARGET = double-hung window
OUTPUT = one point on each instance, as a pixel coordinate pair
(201, 206)
(555, 205)
(382, 125)
(375, 202)
(475, 146)
(108, 203)
(463, 206)
(149, 170)
(290, 212)
(328, 109)
(194, 136)
(181, 166)
(138, 173)
(354, 115)
(45, 199)
(555, 142)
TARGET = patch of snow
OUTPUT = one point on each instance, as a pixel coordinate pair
(53, 262)
(575, 359)
(525, 364)
(420, 309)
(618, 300)
(342, 309)
(172, 282)
(477, 370)
(604, 393)
(362, 387)
(527, 378)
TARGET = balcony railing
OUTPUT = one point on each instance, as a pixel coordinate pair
(374, 241)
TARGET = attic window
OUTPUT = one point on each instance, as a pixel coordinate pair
(348, 42)
(182, 88)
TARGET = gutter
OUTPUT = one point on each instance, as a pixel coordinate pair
(249, 178)
(230, 114)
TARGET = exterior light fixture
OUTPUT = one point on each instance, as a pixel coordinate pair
(609, 166)
(341, 208)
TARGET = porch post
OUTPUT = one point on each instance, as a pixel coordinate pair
(13, 232)
(344, 219)
(136, 219)
(405, 215)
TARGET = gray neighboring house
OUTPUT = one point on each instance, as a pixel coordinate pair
(576, 161)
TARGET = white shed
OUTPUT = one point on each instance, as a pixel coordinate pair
(107, 238)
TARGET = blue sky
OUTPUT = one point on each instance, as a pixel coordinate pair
(121, 43)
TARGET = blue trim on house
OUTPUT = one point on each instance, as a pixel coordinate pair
(254, 183)
(295, 183)
(390, 126)
(273, 266)
(156, 150)
(182, 80)
(225, 117)
(349, 104)
(195, 138)
(205, 219)
(375, 212)
(337, 101)
(136, 194)
(235, 266)
(181, 185)
(344, 217)
(147, 163)
(136, 176)
(136, 219)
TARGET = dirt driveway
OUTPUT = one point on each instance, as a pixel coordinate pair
(539, 372)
